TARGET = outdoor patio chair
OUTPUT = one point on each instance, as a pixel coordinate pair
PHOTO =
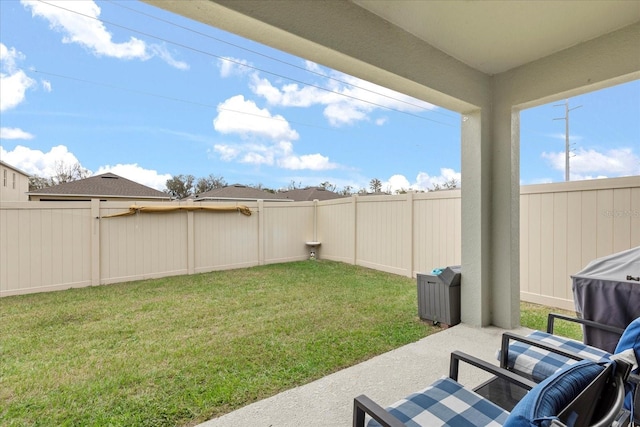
(541, 354)
(583, 394)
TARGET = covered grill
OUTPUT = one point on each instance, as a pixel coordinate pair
(607, 291)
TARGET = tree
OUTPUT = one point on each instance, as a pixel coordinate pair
(293, 185)
(209, 183)
(328, 186)
(447, 185)
(259, 186)
(37, 183)
(62, 173)
(65, 172)
(180, 186)
(347, 190)
(375, 185)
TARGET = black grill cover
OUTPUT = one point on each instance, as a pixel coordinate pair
(603, 292)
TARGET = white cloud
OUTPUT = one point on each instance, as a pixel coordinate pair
(14, 82)
(265, 157)
(268, 138)
(134, 172)
(347, 99)
(14, 133)
(36, 162)
(423, 182)
(312, 66)
(395, 183)
(590, 163)
(230, 66)
(9, 57)
(163, 53)
(307, 161)
(227, 152)
(278, 154)
(46, 85)
(78, 22)
(243, 117)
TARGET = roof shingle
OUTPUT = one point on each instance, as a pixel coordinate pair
(107, 184)
(311, 193)
(238, 192)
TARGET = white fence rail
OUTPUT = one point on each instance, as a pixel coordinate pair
(57, 245)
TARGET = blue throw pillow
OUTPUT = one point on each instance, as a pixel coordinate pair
(546, 400)
(630, 339)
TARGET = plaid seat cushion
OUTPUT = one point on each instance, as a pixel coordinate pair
(539, 364)
(446, 403)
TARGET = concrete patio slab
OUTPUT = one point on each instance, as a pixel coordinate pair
(385, 378)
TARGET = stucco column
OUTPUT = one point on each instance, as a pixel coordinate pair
(476, 228)
(505, 216)
(490, 292)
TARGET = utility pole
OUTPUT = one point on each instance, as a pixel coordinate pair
(567, 148)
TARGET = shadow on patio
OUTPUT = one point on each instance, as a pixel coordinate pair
(385, 378)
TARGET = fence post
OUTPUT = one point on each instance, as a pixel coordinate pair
(95, 242)
(409, 234)
(315, 220)
(260, 232)
(191, 238)
(354, 204)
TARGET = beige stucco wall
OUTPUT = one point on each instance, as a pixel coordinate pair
(14, 184)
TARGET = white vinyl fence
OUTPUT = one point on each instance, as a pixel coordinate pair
(57, 245)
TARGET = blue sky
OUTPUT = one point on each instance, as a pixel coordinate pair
(125, 87)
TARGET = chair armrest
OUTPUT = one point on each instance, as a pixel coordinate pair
(509, 336)
(499, 372)
(363, 405)
(552, 316)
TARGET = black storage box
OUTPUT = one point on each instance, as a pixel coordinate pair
(439, 296)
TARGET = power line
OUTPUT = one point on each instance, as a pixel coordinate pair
(170, 98)
(247, 65)
(255, 52)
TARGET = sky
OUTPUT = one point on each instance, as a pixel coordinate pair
(124, 87)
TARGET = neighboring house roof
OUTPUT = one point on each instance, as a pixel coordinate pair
(7, 165)
(105, 185)
(239, 192)
(310, 193)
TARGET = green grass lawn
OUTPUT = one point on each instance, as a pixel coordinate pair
(181, 350)
(534, 316)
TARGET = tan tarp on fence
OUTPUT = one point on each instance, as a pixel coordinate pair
(134, 209)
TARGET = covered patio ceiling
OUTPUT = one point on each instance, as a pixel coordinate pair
(496, 36)
(484, 59)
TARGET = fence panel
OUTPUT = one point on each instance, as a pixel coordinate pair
(565, 226)
(225, 240)
(44, 246)
(436, 230)
(287, 226)
(336, 224)
(382, 233)
(141, 246)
